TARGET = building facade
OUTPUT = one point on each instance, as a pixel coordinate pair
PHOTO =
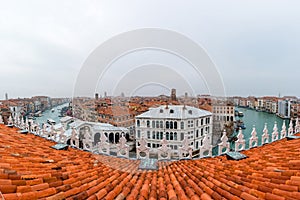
(284, 109)
(174, 123)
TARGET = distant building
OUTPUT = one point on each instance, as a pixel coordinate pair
(224, 112)
(260, 104)
(6, 96)
(284, 108)
(223, 119)
(173, 123)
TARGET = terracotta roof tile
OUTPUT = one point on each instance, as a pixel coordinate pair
(30, 169)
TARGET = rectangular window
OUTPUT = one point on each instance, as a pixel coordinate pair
(182, 125)
(181, 136)
(138, 134)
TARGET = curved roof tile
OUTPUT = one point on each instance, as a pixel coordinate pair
(30, 169)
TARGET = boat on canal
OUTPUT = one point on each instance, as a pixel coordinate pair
(51, 121)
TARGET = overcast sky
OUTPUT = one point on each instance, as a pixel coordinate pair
(254, 44)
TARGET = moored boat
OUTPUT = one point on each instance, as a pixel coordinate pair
(51, 121)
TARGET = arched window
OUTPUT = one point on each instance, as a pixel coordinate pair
(161, 124)
(171, 136)
(117, 137)
(138, 124)
(175, 136)
(153, 124)
(111, 138)
(167, 136)
(153, 134)
(197, 133)
(157, 124)
(197, 145)
(148, 124)
(175, 125)
(171, 125)
(96, 138)
(157, 135)
(167, 124)
(148, 135)
(161, 135)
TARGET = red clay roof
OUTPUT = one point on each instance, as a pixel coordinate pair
(30, 169)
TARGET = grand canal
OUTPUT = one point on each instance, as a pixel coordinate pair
(252, 117)
(52, 115)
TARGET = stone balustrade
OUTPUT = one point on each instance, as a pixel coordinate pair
(164, 152)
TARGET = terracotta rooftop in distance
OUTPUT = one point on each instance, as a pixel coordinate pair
(31, 169)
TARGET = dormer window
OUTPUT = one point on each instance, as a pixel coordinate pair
(190, 112)
(171, 111)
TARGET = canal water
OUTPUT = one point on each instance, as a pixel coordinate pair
(252, 117)
(49, 114)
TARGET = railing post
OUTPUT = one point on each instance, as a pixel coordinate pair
(240, 143)
(275, 132)
(283, 130)
(253, 138)
(206, 147)
(290, 129)
(142, 149)
(224, 144)
(123, 148)
(164, 152)
(185, 152)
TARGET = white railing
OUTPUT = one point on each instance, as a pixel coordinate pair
(164, 152)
